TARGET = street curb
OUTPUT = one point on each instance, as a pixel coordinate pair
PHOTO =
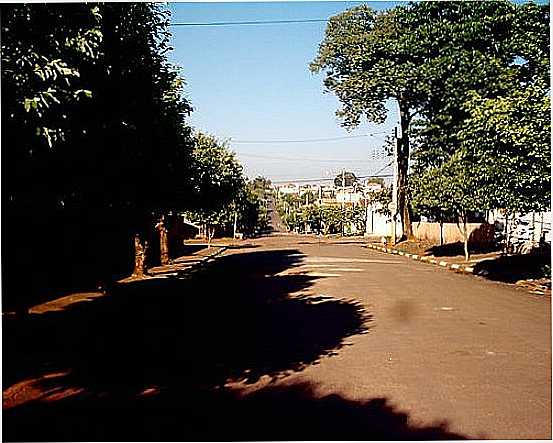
(208, 258)
(424, 259)
(200, 263)
(215, 254)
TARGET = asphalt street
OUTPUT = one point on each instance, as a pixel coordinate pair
(285, 337)
(440, 346)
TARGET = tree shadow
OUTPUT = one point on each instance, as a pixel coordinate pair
(511, 268)
(457, 248)
(236, 320)
(277, 412)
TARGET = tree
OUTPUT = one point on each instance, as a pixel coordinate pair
(481, 48)
(489, 104)
(251, 211)
(332, 219)
(367, 62)
(218, 181)
(510, 138)
(345, 179)
(427, 57)
(381, 200)
(95, 122)
(376, 180)
(453, 188)
(146, 138)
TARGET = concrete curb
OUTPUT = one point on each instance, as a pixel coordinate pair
(191, 267)
(214, 254)
(208, 258)
(424, 259)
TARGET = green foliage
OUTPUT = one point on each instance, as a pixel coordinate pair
(509, 140)
(483, 139)
(42, 52)
(218, 178)
(482, 48)
(94, 114)
(345, 179)
(381, 199)
(366, 61)
(93, 131)
(323, 219)
(454, 187)
(222, 193)
(438, 61)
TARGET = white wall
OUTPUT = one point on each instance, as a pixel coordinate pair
(381, 225)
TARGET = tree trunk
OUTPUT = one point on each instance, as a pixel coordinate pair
(507, 236)
(140, 251)
(402, 170)
(163, 241)
(465, 236)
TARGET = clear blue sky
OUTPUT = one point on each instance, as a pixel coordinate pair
(253, 83)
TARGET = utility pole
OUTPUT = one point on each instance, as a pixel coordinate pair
(343, 201)
(393, 205)
(235, 222)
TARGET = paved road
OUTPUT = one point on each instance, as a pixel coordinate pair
(276, 223)
(440, 346)
(312, 339)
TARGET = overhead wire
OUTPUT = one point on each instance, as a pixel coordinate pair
(316, 160)
(323, 179)
(307, 140)
(253, 22)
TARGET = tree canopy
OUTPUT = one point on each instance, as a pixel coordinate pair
(430, 59)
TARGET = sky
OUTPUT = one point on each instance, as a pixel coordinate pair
(252, 83)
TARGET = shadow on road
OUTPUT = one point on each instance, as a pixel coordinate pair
(289, 412)
(150, 360)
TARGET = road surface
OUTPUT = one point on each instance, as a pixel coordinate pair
(440, 345)
(289, 337)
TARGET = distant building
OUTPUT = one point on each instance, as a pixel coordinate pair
(350, 195)
(289, 189)
(373, 187)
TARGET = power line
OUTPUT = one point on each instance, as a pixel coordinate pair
(373, 134)
(304, 180)
(255, 22)
(326, 179)
(382, 169)
(318, 160)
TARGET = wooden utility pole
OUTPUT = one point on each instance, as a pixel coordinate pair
(343, 201)
(393, 205)
(235, 223)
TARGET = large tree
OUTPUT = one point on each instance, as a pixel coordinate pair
(509, 138)
(367, 63)
(427, 57)
(218, 182)
(489, 105)
(486, 49)
(454, 189)
(94, 129)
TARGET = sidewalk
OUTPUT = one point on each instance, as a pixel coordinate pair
(526, 271)
(188, 262)
(178, 267)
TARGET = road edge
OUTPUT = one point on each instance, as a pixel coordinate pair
(464, 269)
